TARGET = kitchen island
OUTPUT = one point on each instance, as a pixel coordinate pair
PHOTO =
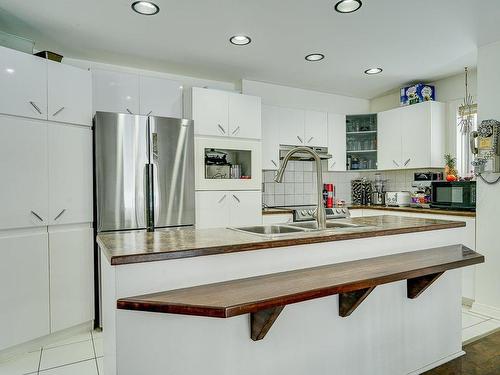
(387, 316)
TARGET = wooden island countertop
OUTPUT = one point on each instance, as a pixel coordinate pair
(164, 244)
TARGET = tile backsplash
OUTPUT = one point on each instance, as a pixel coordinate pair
(299, 183)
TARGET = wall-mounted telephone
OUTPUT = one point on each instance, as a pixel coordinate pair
(485, 146)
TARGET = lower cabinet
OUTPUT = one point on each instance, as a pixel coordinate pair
(220, 209)
(71, 276)
(24, 286)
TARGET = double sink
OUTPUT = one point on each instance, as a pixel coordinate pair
(278, 230)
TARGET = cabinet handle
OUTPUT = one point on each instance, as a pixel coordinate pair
(223, 131)
(272, 161)
(237, 199)
(310, 139)
(129, 111)
(58, 111)
(60, 214)
(300, 139)
(220, 200)
(37, 216)
(36, 107)
(236, 130)
(147, 114)
(333, 164)
(395, 163)
(406, 162)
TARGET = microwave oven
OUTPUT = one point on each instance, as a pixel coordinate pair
(457, 195)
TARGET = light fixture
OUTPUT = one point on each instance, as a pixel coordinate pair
(315, 57)
(146, 8)
(373, 71)
(348, 6)
(240, 40)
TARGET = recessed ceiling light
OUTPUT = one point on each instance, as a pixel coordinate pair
(240, 40)
(315, 57)
(146, 8)
(373, 71)
(348, 6)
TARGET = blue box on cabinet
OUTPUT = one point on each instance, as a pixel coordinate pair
(417, 94)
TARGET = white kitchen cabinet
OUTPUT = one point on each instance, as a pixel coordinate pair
(160, 97)
(71, 276)
(291, 125)
(223, 113)
(70, 174)
(210, 112)
(24, 169)
(115, 91)
(316, 128)
(23, 79)
(245, 208)
(336, 142)
(69, 94)
(270, 138)
(24, 286)
(221, 209)
(412, 137)
(245, 116)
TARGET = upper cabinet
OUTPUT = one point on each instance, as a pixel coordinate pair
(337, 142)
(115, 92)
(70, 94)
(23, 79)
(290, 123)
(315, 128)
(136, 94)
(412, 137)
(270, 138)
(222, 113)
(160, 97)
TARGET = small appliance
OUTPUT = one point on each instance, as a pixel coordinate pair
(378, 194)
(397, 198)
(456, 195)
(421, 193)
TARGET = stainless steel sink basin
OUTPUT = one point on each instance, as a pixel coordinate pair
(271, 230)
(312, 225)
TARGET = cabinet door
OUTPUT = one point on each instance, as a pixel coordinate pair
(246, 208)
(69, 94)
(210, 112)
(24, 286)
(212, 209)
(23, 79)
(270, 137)
(244, 116)
(389, 140)
(415, 123)
(337, 142)
(23, 165)
(291, 126)
(70, 174)
(160, 97)
(115, 92)
(71, 276)
(316, 128)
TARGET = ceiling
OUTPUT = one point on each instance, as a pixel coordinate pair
(412, 40)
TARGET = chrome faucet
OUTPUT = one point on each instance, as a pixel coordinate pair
(320, 209)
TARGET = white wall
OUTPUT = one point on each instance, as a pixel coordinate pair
(284, 96)
(488, 203)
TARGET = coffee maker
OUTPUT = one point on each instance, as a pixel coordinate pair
(378, 192)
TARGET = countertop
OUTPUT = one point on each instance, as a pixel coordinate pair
(432, 211)
(141, 246)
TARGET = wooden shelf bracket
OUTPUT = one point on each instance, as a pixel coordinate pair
(417, 285)
(348, 302)
(261, 321)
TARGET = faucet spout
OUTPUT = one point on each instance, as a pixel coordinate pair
(320, 209)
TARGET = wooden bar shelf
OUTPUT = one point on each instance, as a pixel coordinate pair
(264, 297)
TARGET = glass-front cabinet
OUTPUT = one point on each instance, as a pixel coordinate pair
(361, 142)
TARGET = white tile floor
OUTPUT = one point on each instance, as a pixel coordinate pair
(82, 354)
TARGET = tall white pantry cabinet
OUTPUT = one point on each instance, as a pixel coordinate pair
(46, 236)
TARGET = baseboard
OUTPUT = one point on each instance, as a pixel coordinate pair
(491, 311)
(437, 363)
(36, 344)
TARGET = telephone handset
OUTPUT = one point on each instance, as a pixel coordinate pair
(485, 146)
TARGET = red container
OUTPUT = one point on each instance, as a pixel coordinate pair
(329, 195)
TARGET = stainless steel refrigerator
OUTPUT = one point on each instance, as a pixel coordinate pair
(144, 172)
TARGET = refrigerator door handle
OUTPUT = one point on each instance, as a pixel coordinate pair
(149, 201)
